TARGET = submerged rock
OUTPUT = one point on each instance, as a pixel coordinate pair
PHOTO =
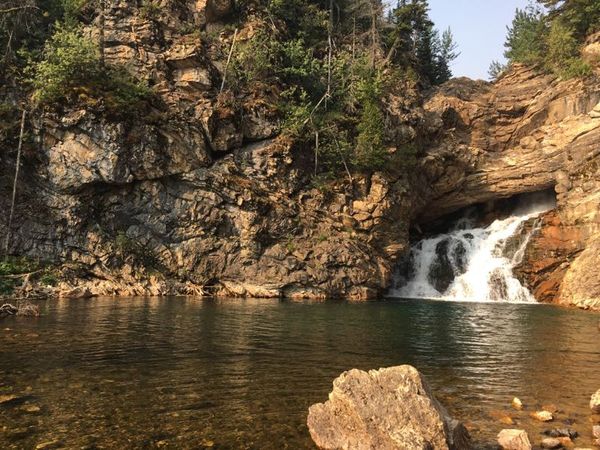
(49, 445)
(551, 443)
(561, 432)
(543, 416)
(514, 440)
(383, 409)
(517, 404)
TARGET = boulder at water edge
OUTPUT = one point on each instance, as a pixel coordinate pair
(384, 409)
(514, 440)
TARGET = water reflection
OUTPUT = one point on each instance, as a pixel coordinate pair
(185, 372)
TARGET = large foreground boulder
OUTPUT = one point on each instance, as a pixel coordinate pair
(384, 409)
(514, 440)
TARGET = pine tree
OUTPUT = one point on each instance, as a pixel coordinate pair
(496, 70)
(446, 52)
(582, 17)
(525, 42)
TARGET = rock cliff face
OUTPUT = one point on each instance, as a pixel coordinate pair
(526, 133)
(201, 194)
(197, 196)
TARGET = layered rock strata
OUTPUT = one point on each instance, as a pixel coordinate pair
(202, 195)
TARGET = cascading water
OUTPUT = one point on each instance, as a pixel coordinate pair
(471, 263)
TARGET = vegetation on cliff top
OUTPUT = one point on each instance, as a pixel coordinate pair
(48, 55)
(549, 35)
(336, 63)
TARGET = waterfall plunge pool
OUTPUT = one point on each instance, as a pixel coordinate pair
(241, 374)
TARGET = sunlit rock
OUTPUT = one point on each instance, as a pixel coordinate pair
(543, 416)
(514, 440)
(595, 402)
(389, 408)
(517, 404)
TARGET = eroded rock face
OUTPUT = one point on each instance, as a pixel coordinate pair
(200, 195)
(384, 409)
(528, 132)
(249, 225)
(197, 195)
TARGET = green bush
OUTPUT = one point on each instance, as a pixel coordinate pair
(71, 71)
(72, 9)
(563, 53)
(15, 266)
(574, 68)
(70, 61)
(370, 151)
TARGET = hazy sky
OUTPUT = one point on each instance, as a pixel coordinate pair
(479, 27)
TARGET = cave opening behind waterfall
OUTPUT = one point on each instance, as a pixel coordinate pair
(469, 255)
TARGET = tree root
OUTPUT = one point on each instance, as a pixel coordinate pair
(23, 308)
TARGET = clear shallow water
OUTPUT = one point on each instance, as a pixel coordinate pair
(192, 373)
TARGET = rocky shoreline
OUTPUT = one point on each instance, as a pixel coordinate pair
(393, 409)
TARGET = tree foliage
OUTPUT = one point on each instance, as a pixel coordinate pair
(552, 40)
(416, 43)
(580, 17)
(69, 61)
(525, 41)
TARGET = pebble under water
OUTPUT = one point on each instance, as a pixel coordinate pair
(229, 374)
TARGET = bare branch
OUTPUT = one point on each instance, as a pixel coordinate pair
(17, 8)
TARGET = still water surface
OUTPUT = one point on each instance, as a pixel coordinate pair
(197, 373)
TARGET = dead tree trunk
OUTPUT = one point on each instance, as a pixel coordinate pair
(14, 192)
(228, 61)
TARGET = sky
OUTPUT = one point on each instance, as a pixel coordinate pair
(479, 28)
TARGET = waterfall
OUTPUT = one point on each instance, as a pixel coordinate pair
(470, 262)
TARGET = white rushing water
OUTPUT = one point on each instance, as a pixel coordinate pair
(470, 263)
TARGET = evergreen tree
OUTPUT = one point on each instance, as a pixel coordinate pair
(446, 52)
(581, 17)
(496, 70)
(525, 42)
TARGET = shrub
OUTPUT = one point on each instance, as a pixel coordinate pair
(70, 62)
(497, 70)
(370, 151)
(71, 71)
(563, 53)
(14, 266)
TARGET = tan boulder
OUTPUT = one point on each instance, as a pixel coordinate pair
(543, 416)
(513, 439)
(389, 408)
